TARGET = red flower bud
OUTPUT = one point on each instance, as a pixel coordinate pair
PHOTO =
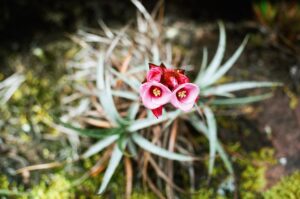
(157, 112)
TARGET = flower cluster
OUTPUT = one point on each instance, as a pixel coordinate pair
(163, 85)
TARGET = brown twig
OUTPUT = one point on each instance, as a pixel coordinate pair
(39, 167)
(155, 189)
(100, 165)
(96, 122)
(161, 174)
(169, 165)
(128, 170)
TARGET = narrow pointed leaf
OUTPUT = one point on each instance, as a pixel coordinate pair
(114, 161)
(133, 110)
(225, 158)
(212, 135)
(202, 128)
(150, 147)
(125, 94)
(94, 133)
(99, 146)
(137, 69)
(147, 16)
(150, 121)
(133, 83)
(203, 67)
(217, 59)
(236, 86)
(104, 94)
(241, 100)
(228, 64)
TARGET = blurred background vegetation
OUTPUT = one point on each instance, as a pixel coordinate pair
(263, 141)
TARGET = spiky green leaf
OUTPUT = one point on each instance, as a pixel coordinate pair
(100, 145)
(114, 161)
(212, 136)
(150, 147)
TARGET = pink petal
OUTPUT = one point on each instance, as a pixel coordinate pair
(187, 103)
(185, 107)
(144, 87)
(151, 102)
(154, 74)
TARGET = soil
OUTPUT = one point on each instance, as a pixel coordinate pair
(270, 61)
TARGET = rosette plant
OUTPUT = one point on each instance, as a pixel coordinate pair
(167, 85)
(116, 94)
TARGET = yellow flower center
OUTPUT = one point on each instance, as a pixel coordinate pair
(156, 92)
(181, 94)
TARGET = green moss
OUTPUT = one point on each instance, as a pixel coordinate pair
(253, 180)
(4, 184)
(10, 189)
(56, 187)
(139, 195)
(207, 193)
(287, 188)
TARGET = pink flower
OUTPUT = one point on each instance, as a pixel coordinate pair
(154, 74)
(169, 77)
(184, 96)
(154, 94)
(172, 78)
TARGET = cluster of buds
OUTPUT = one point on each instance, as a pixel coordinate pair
(163, 85)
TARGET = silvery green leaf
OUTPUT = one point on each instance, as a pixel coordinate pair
(106, 30)
(9, 86)
(100, 72)
(132, 148)
(224, 157)
(212, 135)
(114, 161)
(136, 69)
(94, 133)
(100, 145)
(217, 59)
(171, 120)
(104, 94)
(147, 16)
(242, 100)
(115, 41)
(130, 81)
(199, 125)
(150, 147)
(155, 53)
(207, 94)
(202, 128)
(125, 94)
(227, 65)
(203, 67)
(150, 121)
(133, 110)
(88, 37)
(236, 86)
(108, 105)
